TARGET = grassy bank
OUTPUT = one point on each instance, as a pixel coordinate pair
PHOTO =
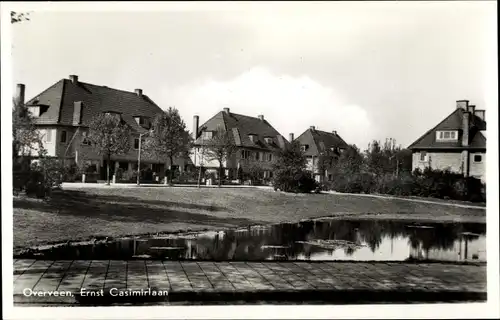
(76, 213)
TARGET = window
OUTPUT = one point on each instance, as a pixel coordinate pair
(446, 135)
(478, 158)
(257, 156)
(268, 140)
(136, 143)
(304, 147)
(252, 137)
(34, 111)
(423, 156)
(269, 157)
(245, 154)
(63, 136)
(85, 139)
(207, 135)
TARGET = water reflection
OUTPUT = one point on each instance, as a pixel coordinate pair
(308, 240)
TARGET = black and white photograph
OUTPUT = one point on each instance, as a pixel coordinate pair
(311, 159)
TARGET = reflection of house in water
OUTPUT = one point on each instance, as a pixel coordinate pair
(469, 247)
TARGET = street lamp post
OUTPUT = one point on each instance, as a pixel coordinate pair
(139, 157)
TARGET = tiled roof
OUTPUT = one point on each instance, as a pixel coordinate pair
(240, 127)
(61, 96)
(453, 122)
(319, 141)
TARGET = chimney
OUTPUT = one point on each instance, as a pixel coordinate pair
(471, 109)
(77, 113)
(334, 132)
(480, 114)
(196, 121)
(261, 117)
(73, 78)
(465, 129)
(462, 104)
(226, 110)
(20, 89)
(138, 92)
(290, 137)
(312, 128)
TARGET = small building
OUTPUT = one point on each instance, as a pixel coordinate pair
(458, 143)
(255, 140)
(317, 144)
(63, 111)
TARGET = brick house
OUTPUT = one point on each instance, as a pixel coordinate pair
(255, 139)
(315, 143)
(63, 111)
(457, 143)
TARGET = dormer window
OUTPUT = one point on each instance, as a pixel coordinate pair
(34, 111)
(208, 135)
(142, 121)
(268, 140)
(446, 135)
(252, 137)
(304, 147)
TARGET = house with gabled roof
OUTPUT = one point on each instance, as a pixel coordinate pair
(255, 139)
(458, 143)
(316, 143)
(64, 110)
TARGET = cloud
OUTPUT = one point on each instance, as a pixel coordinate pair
(290, 104)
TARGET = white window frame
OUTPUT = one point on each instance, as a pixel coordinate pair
(426, 156)
(245, 154)
(85, 140)
(303, 147)
(452, 135)
(208, 134)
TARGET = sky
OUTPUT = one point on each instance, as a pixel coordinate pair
(368, 70)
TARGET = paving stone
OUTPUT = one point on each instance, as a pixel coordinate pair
(30, 277)
(95, 276)
(73, 279)
(157, 276)
(52, 276)
(136, 275)
(116, 276)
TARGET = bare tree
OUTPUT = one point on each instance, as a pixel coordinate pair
(109, 135)
(220, 148)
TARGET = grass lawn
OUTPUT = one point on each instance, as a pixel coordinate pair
(75, 213)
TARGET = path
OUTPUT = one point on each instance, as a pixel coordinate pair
(192, 281)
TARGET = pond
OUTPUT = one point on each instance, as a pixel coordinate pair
(319, 239)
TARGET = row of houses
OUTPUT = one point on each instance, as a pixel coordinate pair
(63, 111)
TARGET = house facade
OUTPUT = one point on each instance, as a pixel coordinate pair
(458, 143)
(63, 112)
(316, 143)
(255, 140)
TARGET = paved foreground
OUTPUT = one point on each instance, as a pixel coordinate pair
(146, 282)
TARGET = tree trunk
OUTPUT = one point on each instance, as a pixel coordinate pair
(199, 177)
(220, 174)
(107, 168)
(171, 172)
